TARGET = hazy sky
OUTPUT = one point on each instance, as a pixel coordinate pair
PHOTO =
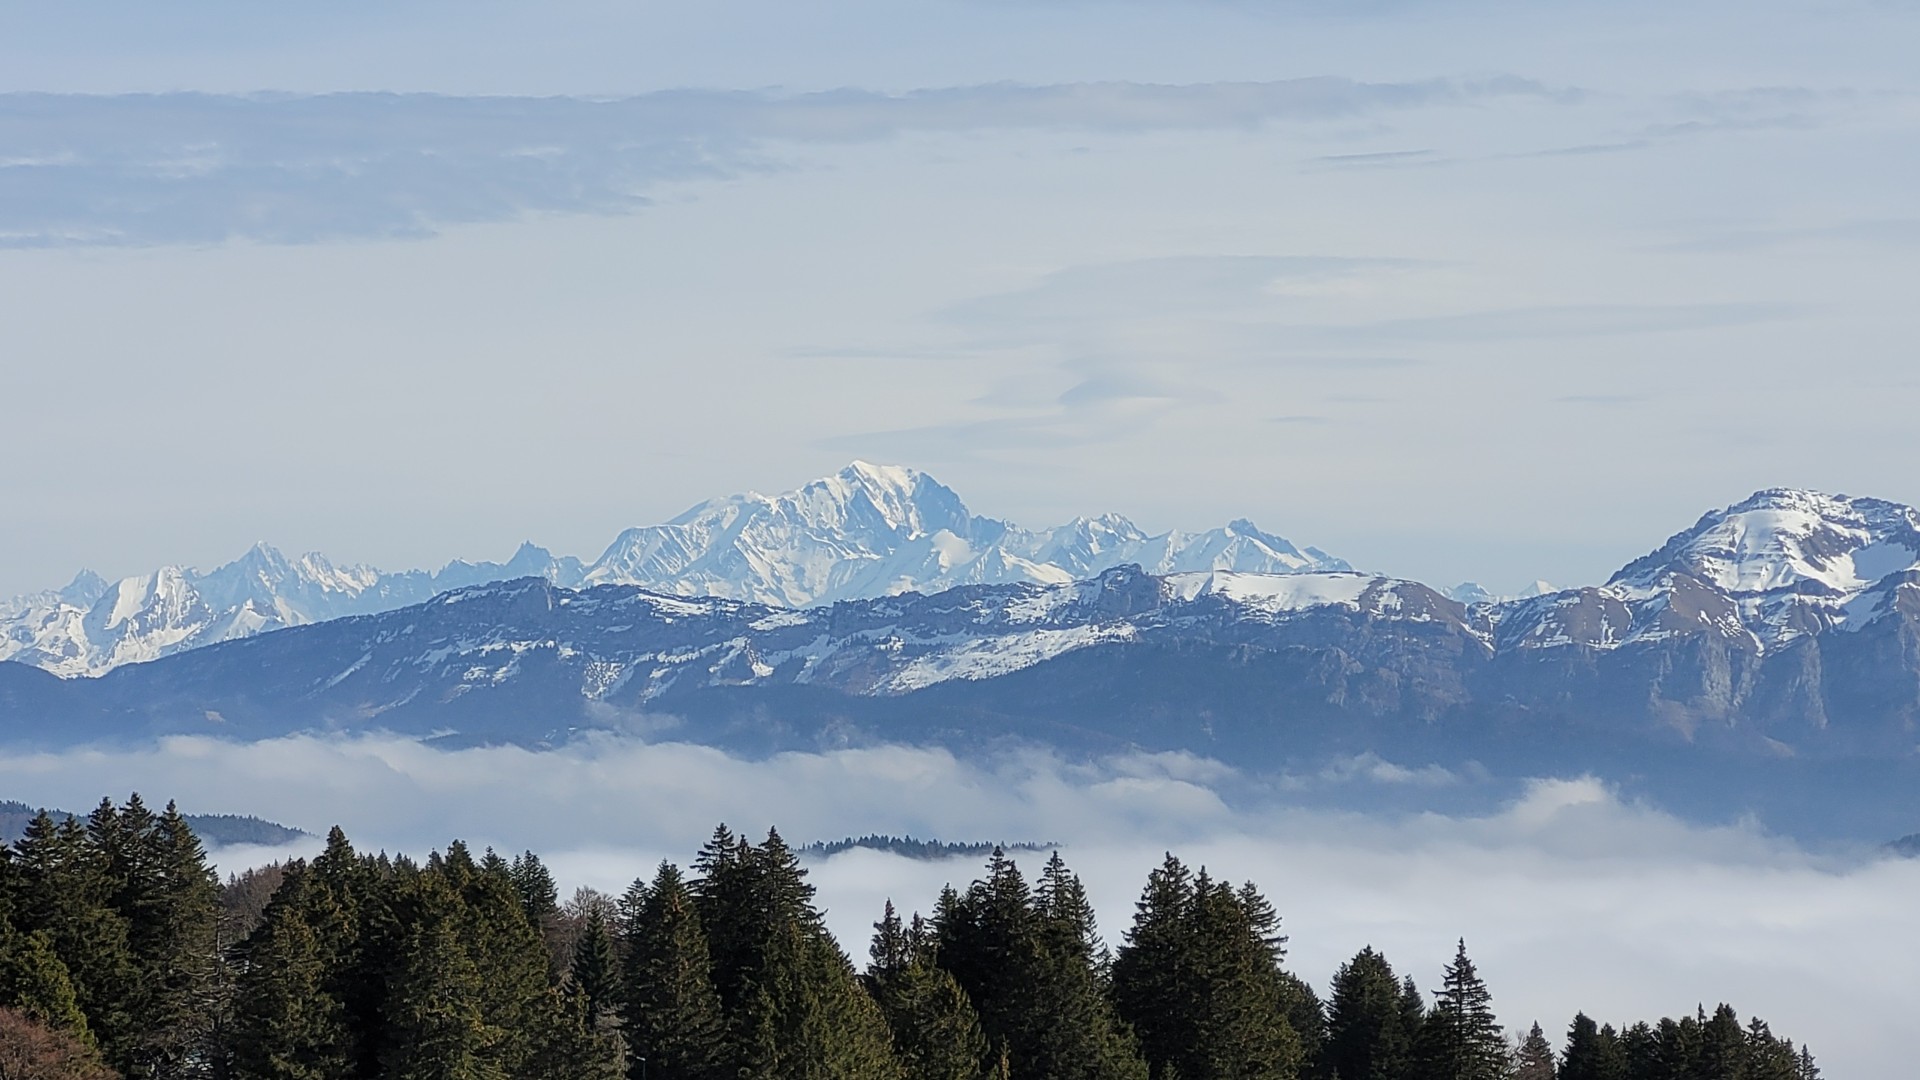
(1453, 290)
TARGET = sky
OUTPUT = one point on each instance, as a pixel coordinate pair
(1476, 290)
(1569, 895)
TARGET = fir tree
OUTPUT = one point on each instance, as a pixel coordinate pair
(1592, 1052)
(436, 1028)
(936, 1032)
(1768, 1058)
(1460, 1040)
(1533, 1058)
(1637, 1051)
(595, 971)
(1368, 1036)
(673, 1017)
(1151, 972)
(533, 884)
(287, 1024)
(567, 1046)
(1723, 1046)
(1028, 971)
(63, 891)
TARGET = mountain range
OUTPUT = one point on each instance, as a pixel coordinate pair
(1765, 659)
(865, 532)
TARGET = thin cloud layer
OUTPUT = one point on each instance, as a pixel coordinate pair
(1569, 897)
(186, 168)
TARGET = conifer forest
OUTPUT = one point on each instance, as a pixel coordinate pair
(123, 955)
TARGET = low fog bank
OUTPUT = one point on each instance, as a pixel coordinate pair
(1569, 895)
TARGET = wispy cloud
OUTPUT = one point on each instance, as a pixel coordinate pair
(1567, 321)
(198, 168)
(1602, 399)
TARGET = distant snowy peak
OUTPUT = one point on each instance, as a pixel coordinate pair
(875, 530)
(93, 625)
(1787, 539)
(1763, 573)
(866, 531)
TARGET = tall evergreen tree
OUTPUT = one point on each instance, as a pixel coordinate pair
(63, 891)
(1028, 970)
(436, 1027)
(1638, 1051)
(1592, 1052)
(673, 1018)
(595, 972)
(936, 1032)
(1460, 1040)
(1769, 1058)
(1152, 972)
(1533, 1058)
(288, 1024)
(1368, 1036)
(1723, 1046)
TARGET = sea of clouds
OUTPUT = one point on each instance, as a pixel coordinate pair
(1570, 897)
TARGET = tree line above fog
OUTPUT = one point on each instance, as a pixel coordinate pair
(121, 954)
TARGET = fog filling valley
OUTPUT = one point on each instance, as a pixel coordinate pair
(1569, 895)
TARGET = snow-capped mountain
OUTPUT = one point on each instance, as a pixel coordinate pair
(874, 530)
(1770, 653)
(866, 531)
(92, 625)
(1779, 566)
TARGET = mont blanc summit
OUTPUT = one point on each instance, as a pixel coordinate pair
(866, 531)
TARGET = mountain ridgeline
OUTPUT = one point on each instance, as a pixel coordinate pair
(866, 531)
(1766, 659)
(121, 956)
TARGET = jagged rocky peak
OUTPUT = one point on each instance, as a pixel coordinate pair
(1787, 539)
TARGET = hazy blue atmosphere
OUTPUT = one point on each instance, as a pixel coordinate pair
(1453, 291)
(1487, 291)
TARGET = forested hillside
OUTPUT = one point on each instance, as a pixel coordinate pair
(216, 829)
(122, 955)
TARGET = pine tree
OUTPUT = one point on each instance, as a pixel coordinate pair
(1768, 1058)
(797, 1008)
(673, 1019)
(567, 1046)
(62, 890)
(436, 1028)
(533, 883)
(936, 1032)
(288, 1025)
(1723, 1046)
(175, 945)
(508, 954)
(1151, 973)
(1028, 971)
(1239, 1021)
(1460, 1040)
(1637, 1051)
(1592, 1052)
(1808, 1070)
(1677, 1047)
(1306, 1014)
(1533, 1058)
(595, 971)
(1368, 1036)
